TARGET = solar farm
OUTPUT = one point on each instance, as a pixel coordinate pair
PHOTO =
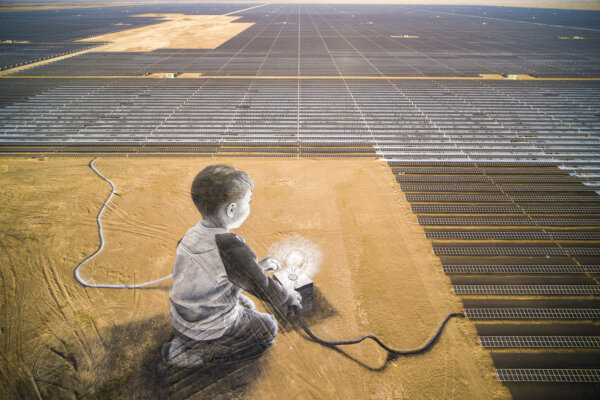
(486, 119)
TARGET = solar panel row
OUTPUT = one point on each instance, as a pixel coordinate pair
(557, 290)
(471, 198)
(471, 235)
(509, 221)
(334, 111)
(486, 179)
(503, 209)
(533, 313)
(540, 341)
(499, 188)
(548, 375)
(484, 171)
(519, 269)
(517, 251)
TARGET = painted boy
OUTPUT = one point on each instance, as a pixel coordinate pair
(213, 321)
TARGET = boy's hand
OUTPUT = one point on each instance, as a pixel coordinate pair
(295, 299)
(269, 264)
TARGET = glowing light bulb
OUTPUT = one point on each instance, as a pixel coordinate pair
(293, 262)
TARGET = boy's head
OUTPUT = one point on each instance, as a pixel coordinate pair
(222, 191)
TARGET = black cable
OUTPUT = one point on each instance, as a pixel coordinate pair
(422, 349)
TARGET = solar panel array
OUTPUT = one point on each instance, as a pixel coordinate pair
(499, 188)
(381, 39)
(270, 116)
(520, 269)
(503, 209)
(64, 25)
(441, 172)
(540, 341)
(53, 33)
(503, 235)
(516, 251)
(496, 222)
(568, 290)
(549, 375)
(503, 174)
(533, 313)
(16, 54)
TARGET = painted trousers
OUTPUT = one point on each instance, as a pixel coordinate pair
(251, 334)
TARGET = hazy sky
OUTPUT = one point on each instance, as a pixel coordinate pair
(537, 2)
(524, 3)
(585, 4)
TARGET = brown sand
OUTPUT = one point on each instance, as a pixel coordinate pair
(179, 31)
(378, 275)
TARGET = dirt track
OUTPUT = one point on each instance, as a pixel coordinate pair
(378, 275)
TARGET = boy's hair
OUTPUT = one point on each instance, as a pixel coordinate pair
(219, 184)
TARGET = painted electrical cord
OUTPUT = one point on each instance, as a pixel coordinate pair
(81, 264)
(391, 351)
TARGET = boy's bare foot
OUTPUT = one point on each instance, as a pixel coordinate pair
(184, 358)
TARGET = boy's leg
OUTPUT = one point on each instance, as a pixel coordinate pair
(251, 334)
(180, 352)
(245, 301)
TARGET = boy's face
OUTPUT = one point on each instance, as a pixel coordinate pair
(241, 210)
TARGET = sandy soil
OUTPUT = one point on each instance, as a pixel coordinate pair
(179, 31)
(379, 275)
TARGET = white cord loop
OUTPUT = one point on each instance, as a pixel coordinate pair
(107, 285)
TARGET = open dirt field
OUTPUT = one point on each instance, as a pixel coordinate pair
(378, 275)
(179, 31)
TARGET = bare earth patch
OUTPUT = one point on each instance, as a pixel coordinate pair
(379, 275)
(179, 31)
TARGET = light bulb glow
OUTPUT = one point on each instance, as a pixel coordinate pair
(297, 255)
(294, 261)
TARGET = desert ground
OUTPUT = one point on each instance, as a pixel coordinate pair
(177, 32)
(378, 275)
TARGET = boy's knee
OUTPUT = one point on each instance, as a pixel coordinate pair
(271, 327)
(245, 301)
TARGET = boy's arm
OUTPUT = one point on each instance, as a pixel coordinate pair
(244, 271)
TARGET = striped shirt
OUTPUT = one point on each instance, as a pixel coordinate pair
(211, 268)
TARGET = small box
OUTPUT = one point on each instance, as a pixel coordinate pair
(299, 282)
